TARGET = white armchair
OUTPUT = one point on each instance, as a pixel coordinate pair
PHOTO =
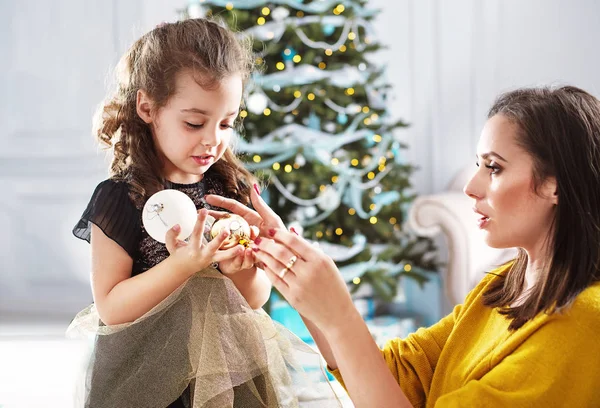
(450, 213)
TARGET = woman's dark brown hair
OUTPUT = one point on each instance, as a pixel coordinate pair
(211, 52)
(560, 129)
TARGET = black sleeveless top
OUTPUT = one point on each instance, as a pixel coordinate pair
(112, 210)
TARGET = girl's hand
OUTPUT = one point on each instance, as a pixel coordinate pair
(195, 255)
(243, 259)
(306, 277)
(264, 218)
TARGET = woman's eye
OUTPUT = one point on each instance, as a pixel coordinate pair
(494, 169)
(226, 126)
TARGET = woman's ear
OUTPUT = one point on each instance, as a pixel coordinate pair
(551, 190)
(143, 106)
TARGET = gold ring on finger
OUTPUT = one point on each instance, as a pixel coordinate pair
(291, 262)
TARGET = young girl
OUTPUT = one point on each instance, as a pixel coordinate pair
(170, 335)
(527, 335)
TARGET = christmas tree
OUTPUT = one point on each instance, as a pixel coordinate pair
(317, 129)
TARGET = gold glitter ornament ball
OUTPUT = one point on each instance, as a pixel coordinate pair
(238, 227)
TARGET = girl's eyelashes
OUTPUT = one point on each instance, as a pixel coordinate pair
(193, 125)
(199, 126)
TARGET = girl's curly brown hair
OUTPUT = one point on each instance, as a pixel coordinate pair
(211, 52)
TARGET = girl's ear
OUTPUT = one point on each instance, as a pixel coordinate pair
(143, 106)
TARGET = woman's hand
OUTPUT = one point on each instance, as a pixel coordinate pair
(264, 218)
(195, 255)
(306, 277)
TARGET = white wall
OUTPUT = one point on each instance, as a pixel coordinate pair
(447, 60)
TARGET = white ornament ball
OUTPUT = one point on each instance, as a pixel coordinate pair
(301, 160)
(310, 212)
(165, 209)
(330, 127)
(280, 13)
(257, 102)
(195, 10)
(353, 108)
(330, 199)
(288, 118)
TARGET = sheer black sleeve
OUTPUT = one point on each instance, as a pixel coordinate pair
(111, 209)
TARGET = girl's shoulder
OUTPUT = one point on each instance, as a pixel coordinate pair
(113, 211)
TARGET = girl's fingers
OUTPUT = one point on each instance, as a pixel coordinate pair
(171, 238)
(254, 231)
(213, 246)
(248, 259)
(196, 237)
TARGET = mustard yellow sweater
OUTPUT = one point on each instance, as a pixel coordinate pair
(470, 359)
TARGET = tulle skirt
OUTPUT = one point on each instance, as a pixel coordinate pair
(202, 346)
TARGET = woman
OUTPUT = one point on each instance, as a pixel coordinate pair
(527, 334)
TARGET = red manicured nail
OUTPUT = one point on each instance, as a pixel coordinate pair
(257, 240)
(272, 232)
(256, 189)
(255, 249)
(293, 230)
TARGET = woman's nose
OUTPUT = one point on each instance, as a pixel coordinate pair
(472, 189)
